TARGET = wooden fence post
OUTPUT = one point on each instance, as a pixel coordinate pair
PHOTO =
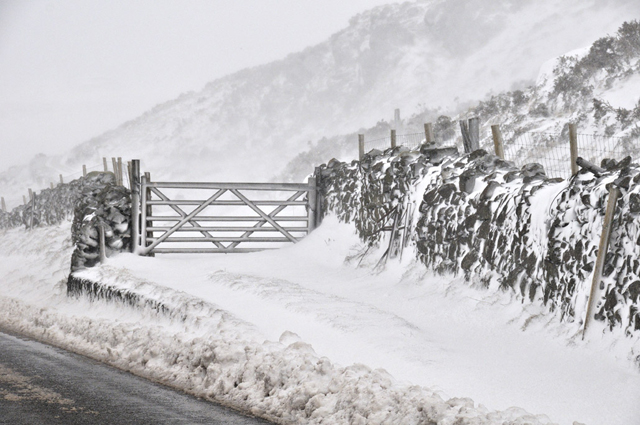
(129, 174)
(51, 185)
(312, 199)
(360, 146)
(148, 210)
(573, 146)
(84, 170)
(104, 164)
(115, 169)
(603, 247)
(470, 134)
(319, 201)
(61, 181)
(498, 144)
(428, 133)
(33, 208)
(393, 139)
(135, 206)
(24, 200)
(4, 205)
(120, 173)
(30, 194)
(102, 247)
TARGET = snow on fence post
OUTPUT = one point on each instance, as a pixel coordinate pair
(135, 206)
(84, 170)
(4, 205)
(428, 133)
(393, 138)
(498, 144)
(360, 146)
(573, 146)
(603, 247)
(104, 164)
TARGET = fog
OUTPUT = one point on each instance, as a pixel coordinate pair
(72, 69)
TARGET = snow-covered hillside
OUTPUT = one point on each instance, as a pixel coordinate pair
(413, 55)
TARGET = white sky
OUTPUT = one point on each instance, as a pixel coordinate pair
(72, 69)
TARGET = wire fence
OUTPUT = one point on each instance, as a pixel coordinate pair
(551, 150)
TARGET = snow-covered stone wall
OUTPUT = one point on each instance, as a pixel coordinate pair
(480, 216)
(102, 204)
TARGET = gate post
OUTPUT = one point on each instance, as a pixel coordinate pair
(135, 206)
(313, 202)
(143, 215)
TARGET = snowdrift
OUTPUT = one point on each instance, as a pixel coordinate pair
(481, 217)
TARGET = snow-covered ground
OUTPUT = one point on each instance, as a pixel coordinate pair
(300, 334)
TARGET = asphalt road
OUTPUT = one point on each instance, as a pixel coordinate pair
(40, 384)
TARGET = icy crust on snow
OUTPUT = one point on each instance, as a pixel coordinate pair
(198, 347)
(499, 226)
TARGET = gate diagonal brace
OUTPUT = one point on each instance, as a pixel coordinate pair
(184, 214)
(186, 219)
(266, 217)
(271, 214)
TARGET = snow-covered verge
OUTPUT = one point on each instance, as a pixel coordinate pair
(197, 346)
(498, 225)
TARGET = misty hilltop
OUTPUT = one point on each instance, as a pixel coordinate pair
(415, 55)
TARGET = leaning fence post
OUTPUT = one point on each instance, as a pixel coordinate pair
(603, 247)
(393, 138)
(102, 248)
(4, 206)
(135, 206)
(573, 145)
(360, 146)
(428, 133)
(498, 144)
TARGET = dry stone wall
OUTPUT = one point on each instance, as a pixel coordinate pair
(479, 216)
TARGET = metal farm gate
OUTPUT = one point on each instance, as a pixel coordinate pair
(219, 217)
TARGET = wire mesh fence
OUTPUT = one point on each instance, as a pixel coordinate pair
(551, 150)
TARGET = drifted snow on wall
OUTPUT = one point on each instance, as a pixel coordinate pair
(480, 216)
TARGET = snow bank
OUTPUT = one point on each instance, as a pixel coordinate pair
(199, 347)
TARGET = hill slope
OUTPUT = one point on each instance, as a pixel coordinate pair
(250, 124)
